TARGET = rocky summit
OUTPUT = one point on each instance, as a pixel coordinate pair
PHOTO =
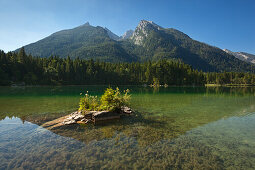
(142, 30)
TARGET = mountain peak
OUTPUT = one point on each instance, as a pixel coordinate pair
(86, 24)
(145, 23)
(142, 31)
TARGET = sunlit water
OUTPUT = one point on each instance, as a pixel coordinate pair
(172, 128)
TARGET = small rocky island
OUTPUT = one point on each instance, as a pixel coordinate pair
(112, 105)
(94, 116)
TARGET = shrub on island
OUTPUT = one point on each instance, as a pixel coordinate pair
(111, 105)
(112, 101)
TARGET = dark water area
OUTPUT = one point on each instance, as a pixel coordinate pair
(172, 128)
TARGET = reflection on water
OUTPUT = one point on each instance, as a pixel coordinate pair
(182, 128)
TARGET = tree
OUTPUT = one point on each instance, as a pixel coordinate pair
(22, 55)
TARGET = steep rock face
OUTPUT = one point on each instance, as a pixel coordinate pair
(142, 31)
(127, 34)
(249, 58)
(155, 43)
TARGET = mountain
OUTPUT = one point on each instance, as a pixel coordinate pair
(156, 42)
(249, 58)
(85, 41)
(149, 41)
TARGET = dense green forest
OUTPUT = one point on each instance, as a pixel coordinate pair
(20, 68)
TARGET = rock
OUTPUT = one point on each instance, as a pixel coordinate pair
(126, 110)
(86, 120)
(89, 114)
(104, 115)
(69, 122)
(94, 116)
(99, 113)
(142, 31)
(69, 118)
(73, 118)
(78, 117)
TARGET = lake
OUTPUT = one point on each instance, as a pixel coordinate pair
(172, 128)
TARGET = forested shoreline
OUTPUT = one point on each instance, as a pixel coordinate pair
(20, 68)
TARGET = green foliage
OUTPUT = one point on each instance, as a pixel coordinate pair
(107, 100)
(111, 100)
(156, 82)
(88, 103)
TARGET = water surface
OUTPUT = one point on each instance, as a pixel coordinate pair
(173, 128)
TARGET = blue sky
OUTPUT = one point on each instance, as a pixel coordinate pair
(223, 23)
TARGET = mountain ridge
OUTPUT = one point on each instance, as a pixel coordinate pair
(249, 58)
(148, 41)
(84, 41)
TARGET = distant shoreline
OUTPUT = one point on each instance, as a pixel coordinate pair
(149, 86)
(229, 85)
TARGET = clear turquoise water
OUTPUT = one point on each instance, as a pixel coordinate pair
(173, 128)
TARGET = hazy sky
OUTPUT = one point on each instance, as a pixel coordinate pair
(223, 23)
